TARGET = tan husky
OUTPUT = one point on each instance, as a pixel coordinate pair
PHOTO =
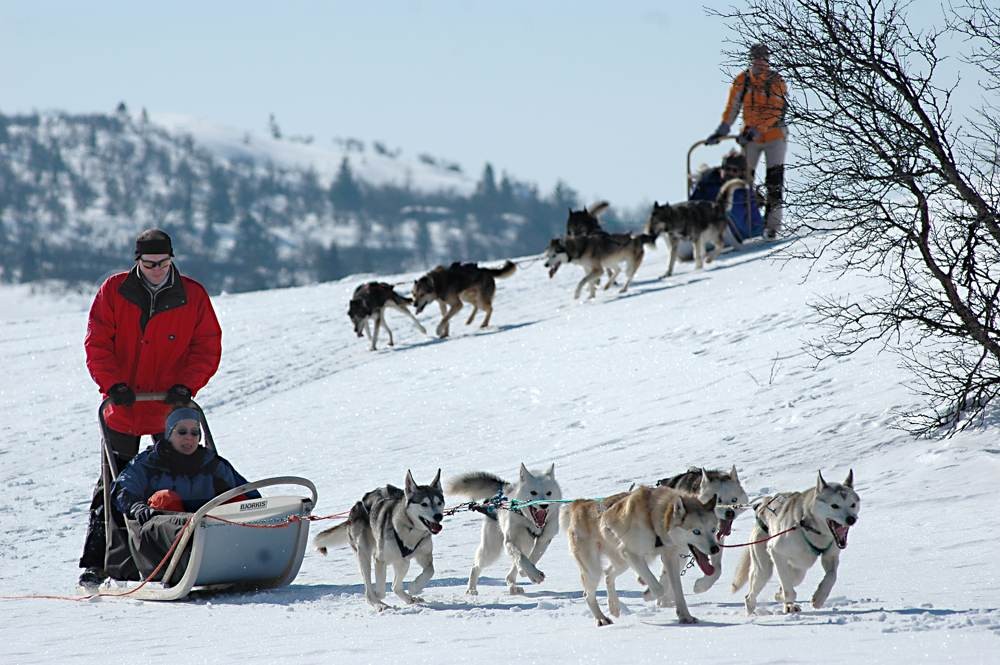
(630, 528)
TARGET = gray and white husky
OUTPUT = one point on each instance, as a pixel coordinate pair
(731, 501)
(525, 533)
(391, 526)
(596, 253)
(820, 518)
(700, 222)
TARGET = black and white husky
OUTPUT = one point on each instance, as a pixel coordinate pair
(391, 526)
(524, 533)
(700, 222)
(731, 500)
(369, 303)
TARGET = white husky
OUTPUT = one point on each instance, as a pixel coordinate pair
(524, 533)
(817, 521)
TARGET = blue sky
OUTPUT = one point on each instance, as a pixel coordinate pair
(607, 96)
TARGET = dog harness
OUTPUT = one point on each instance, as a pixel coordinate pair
(403, 549)
(801, 527)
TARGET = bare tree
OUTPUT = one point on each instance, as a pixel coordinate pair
(890, 179)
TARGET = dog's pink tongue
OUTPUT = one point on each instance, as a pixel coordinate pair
(552, 272)
(725, 528)
(840, 534)
(702, 560)
(539, 515)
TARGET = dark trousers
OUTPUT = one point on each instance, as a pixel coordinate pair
(152, 541)
(124, 447)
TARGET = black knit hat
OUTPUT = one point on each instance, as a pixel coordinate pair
(153, 241)
(760, 51)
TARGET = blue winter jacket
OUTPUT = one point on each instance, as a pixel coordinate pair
(198, 477)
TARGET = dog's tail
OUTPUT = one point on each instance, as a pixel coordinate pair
(727, 192)
(335, 536)
(506, 270)
(742, 572)
(597, 208)
(476, 485)
(401, 299)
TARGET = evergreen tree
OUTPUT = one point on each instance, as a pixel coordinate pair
(273, 128)
(220, 205)
(487, 187)
(345, 193)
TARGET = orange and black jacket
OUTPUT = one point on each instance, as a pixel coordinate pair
(762, 99)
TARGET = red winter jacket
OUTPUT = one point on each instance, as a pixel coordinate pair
(150, 342)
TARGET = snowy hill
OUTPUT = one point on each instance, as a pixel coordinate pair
(705, 368)
(246, 211)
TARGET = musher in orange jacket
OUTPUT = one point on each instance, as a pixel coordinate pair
(761, 94)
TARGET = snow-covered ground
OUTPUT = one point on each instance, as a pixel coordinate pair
(705, 368)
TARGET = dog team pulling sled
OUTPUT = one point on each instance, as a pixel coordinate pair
(234, 543)
(224, 545)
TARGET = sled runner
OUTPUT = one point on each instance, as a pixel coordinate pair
(249, 544)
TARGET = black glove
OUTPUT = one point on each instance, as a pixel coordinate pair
(141, 512)
(717, 135)
(748, 135)
(178, 395)
(121, 394)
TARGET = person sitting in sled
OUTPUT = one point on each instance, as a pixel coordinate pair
(710, 181)
(176, 474)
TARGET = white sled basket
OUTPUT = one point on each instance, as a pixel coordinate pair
(260, 544)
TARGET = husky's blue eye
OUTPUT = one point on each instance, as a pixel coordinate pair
(835, 506)
(697, 532)
(549, 493)
(534, 493)
(734, 500)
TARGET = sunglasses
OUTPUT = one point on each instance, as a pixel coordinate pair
(151, 265)
(194, 431)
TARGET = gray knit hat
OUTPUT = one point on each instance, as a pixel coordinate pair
(177, 415)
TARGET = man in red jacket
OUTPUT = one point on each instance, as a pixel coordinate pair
(150, 330)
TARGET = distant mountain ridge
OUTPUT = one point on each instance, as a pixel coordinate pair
(247, 212)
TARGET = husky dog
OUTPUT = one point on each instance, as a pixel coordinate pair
(524, 533)
(390, 526)
(700, 222)
(584, 222)
(458, 282)
(633, 527)
(596, 253)
(820, 517)
(368, 304)
(732, 500)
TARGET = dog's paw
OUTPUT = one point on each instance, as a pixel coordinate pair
(686, 618)
(422, 330)
(515, 590)
(647, 595)
(415, 599)
(703, 584)
(792, 608)
(818, 602)
(535, 576)
(604, 621)
(471, 592)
